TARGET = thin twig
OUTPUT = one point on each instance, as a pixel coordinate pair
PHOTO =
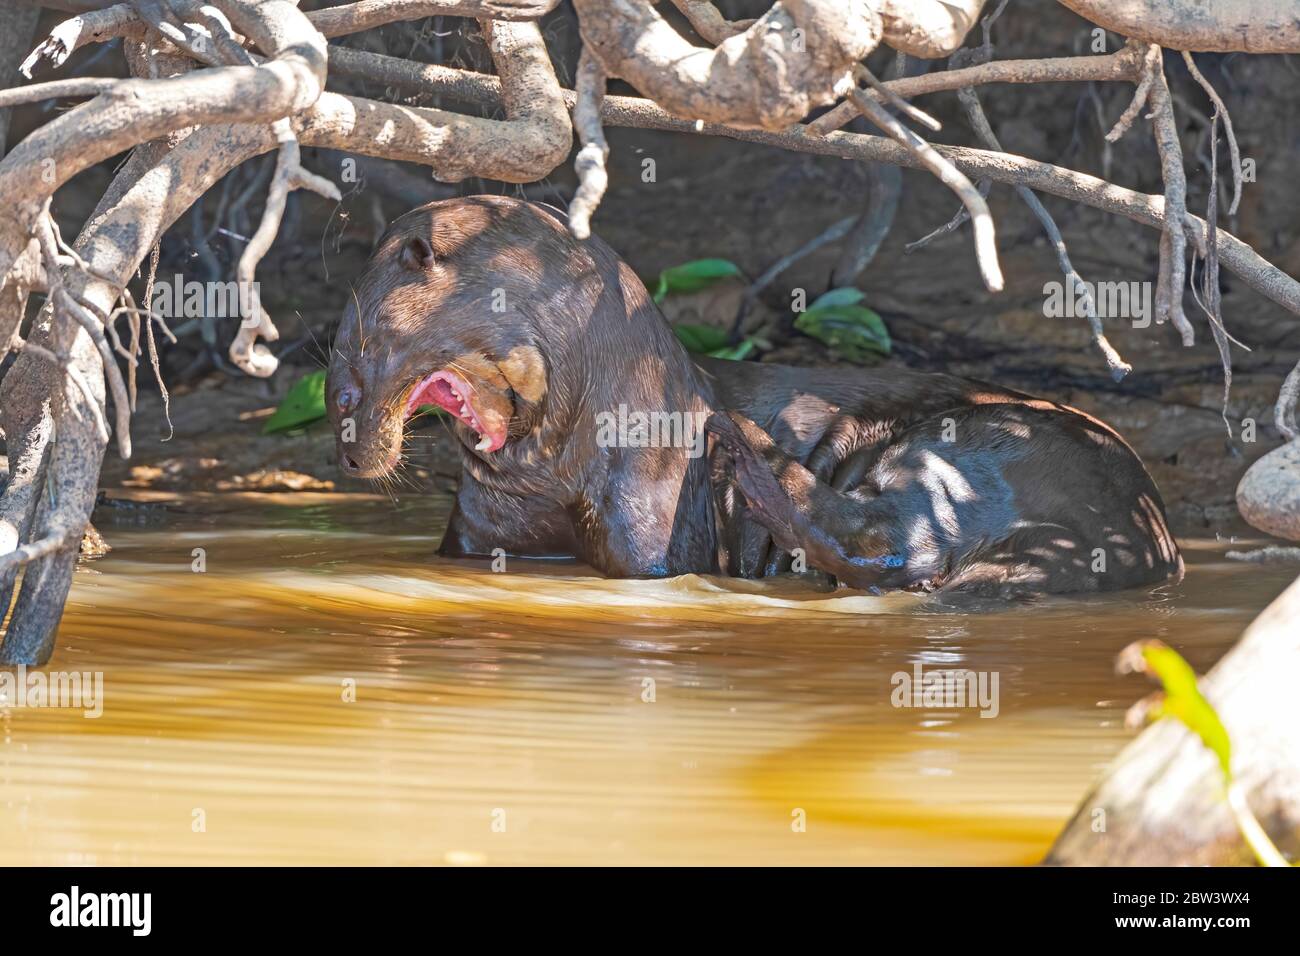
(915, 113)
(986, 251)
(1173, 245)
(1140, 95)
(590, 161)
(835, 231)
(1284, 410)
(1074, 283)
(1222, 110)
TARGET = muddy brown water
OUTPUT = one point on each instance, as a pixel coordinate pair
(327, 691)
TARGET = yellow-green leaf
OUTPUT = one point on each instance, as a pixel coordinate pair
(1183, 698)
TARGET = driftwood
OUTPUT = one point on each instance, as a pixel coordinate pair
(1162, 802)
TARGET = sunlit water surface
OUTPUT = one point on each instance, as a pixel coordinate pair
(327, 691)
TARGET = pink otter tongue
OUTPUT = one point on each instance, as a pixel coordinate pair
(449, 391)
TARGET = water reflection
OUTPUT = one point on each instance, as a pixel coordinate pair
(327, 691)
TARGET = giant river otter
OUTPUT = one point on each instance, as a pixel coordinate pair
(579, 416)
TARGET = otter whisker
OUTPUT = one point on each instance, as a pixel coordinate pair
(361, 330)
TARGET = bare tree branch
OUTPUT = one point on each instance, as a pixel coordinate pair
(1124, 64)
(794, 58)
(590, 161)
(928, 28)
(986, 249)
(1225, 26)
(1173, 244)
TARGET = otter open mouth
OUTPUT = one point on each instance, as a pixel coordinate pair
(449, 391)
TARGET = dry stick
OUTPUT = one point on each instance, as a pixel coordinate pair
(884, 190)
(55, 89)
(1140, 95)
(183, 36)
(62, 301)
(535, 137)
(222, 33)
(244, 350)
(757, 79)
(133, 321)
(977, 56)
(1124, 64)
(711, 25)
(979, 121)
(71, 258)
(590, 161)
(834, 232)
(956, 62)
(72, 372)
(137, 110)
(1271, 552)
(1221, 110)
(1173, 248)
(1284, 410)
(916, 114)
(93, 26)
(26, 553)
(154, 255)
(985, 247)
(1211, 301)
(119, 20)
(355, 17)
(105, 319)
(253, 358)
(639, 113)
(112, 374)
(952, 225)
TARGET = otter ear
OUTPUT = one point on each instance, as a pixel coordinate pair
(417, 254)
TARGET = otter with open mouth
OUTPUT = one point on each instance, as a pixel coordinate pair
(488, 308)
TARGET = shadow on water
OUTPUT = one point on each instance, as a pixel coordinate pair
(328, 691)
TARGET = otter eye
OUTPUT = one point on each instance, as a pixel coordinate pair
(346, 398)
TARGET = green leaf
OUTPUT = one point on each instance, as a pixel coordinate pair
(851, 329)
(712, 341)
(700, 339)
(735, 352)
(845, 296)
(1183, 700)
(694, 276)
(304, 404)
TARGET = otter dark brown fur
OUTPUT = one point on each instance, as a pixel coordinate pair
(535, 342)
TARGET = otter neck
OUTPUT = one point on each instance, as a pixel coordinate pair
(609, 350)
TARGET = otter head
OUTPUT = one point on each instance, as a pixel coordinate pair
(443, 315)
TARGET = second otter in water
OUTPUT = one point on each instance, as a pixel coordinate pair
(534, 342)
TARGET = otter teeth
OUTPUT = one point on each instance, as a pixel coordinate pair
(484, 444)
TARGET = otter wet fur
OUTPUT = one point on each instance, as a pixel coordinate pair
(542, 348)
